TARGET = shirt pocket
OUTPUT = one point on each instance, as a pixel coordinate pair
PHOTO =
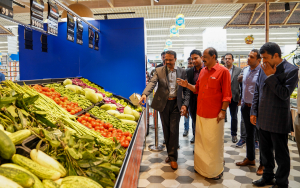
(213, 86)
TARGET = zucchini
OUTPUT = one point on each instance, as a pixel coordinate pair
(125, 116)
(18, 176)
(37, 181)
(71, 185)
(129, 122)
(37, 169)
(50, 184)
(8, 183)
(7, 147)
(47, 161)
(19, 136)
(80, 180)
(58, 181)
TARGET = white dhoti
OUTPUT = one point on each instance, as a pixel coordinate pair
(209, 147)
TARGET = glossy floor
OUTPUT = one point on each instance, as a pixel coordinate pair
(155, 173)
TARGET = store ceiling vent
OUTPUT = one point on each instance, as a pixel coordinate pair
(5, 32)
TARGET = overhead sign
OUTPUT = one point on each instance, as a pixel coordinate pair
(70, 27)
(174, 31)
(91, 38)
(36, 13)
(53, 16)
(79, 32)
(96, 40)
(180, 21)
(6, 8)
(169, 43)
(166, 49)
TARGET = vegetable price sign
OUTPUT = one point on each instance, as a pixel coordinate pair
(6, 8)
(53, 16)
(180, 21)
(169, 43)
(71, 26)
(36, 13)
(174, 31)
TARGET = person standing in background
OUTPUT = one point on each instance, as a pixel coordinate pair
(162, 56)
(187, 119)
(270, 112)
(223, 60)
(235, 89)
(249, 82)
(214, 95)
(171, 100)
(297, 120)
(192, 77)
(2, 77)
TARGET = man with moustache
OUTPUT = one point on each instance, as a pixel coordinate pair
(190, 63)
(270, 112)
(214, 95)
(192, 75)
(250, 75)
(170, 99)
(235, 89)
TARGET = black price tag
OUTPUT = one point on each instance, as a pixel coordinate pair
(28, 39)
(79, 33)
(91, 38)
(53, 16)
(96, 40)
(6, 8)
(36, 13)
(70, 28)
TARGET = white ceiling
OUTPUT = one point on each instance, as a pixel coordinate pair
(158, 20)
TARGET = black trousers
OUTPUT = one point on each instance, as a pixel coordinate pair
(250, 133)
(170, 118)
(233, 107)
(193, 110)
(279, 142)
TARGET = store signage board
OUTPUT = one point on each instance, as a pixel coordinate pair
(96, 40)
(70, 28)
(174, 31)
(79, 32)
(180, 21)
(53, 16)
(6, 8)
(169, 43)
(91, 38)
(36, 13)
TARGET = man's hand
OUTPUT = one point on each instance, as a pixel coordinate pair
(240, 102)
(253, 119)
(181, 82)
(184, 111)
(143, 100)
(240, 79)
(221, 116)
(268, 69)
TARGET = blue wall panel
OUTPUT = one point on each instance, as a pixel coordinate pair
(118, 66)
(121, 66)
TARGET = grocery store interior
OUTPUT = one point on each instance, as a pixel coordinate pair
(72, 74)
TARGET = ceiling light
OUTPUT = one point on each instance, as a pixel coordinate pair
(156, 1)
(188, 18)
(169, 28)
(287, 7)
(80, 9)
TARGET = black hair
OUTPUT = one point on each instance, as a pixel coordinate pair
(257, 53)
(212, 51)
(189, 58)
(197, 52)
(163, 53)
(223, 56)
(271, 48)
(229, 54)
(171, 53)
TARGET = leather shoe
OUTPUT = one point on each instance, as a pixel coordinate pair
(185, 133)
(263, 182)
(245, 162)
(277, 186)
(174, 165)
(234, 139)
(164, 142)
(193, 140)
(260, 170)
(168, 160)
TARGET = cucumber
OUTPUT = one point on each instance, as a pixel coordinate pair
(18, 176)
(37, 169)
(19, 136)
(58, 181)
(50, 184)
(7, 147)
(8, 183)
(71, 185)
(125, 116)
(37, 181)
(80, 180)
(47, 161)
(130, 122)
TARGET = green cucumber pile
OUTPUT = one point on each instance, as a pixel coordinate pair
(74, 97)
(104, 116)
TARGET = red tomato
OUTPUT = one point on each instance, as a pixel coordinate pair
(126, 133)
(87, 114)
(126, 144)
(110, 125)
(128, 138)
(110, 129)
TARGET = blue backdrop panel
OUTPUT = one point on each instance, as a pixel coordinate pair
(121, 65)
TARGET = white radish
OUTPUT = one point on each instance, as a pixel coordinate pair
(47, 161)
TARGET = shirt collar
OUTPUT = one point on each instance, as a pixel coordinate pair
(175, 68)
(216, 66)
(281, 62)
(195, 70)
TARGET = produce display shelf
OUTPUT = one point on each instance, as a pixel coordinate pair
(120, 97)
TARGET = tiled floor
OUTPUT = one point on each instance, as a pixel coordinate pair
(155, 173)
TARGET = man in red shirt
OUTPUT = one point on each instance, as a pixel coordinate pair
(214, 95)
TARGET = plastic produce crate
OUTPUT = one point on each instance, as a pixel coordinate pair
(31, 143)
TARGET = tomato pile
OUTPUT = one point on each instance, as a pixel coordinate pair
(105, 129)
(71, 107)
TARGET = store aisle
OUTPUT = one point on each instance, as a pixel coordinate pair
(155, 173)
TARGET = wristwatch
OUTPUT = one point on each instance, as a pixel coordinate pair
(223, 110)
